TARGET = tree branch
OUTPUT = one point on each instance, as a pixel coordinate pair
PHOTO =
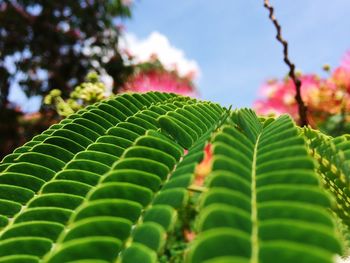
(302, 109)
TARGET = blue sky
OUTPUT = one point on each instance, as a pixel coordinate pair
(234, 42)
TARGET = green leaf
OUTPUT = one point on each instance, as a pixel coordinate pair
(105, 248)
(261, 204)
(135, 177)
(139, 253)
(151, 235)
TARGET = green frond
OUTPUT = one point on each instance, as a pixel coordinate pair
(157, 177)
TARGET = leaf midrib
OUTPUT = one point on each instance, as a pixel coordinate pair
(254, 212)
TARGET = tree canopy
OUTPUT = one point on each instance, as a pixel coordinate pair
(47, 45)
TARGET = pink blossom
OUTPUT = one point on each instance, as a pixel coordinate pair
(126, 2)
(204, 168)
(341, 75)
(279, 99)
(160, 81)
(321, 96)
(345, 62)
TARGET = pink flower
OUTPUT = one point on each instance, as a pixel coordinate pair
(158, 80)
(345, 63)
(320, 96)
(126, 2)
(323, 97)
(189, 235)
(341, 75)
(279, 99)
(203, 169)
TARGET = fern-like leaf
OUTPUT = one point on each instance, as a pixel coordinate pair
(115, 182)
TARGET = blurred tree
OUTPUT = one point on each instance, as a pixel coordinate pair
(47, 45)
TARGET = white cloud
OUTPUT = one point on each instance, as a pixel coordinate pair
(158, 44)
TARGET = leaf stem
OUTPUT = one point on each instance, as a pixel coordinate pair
(254, 213)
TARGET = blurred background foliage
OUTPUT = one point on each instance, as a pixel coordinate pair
(49, 47)
(68, 54)
(53, 44)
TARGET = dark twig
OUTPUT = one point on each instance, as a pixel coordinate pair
(301, 106)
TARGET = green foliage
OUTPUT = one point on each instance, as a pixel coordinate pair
(46, 45)
(157, 177)
(332, 156)
(51, 39)
(83, 95)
